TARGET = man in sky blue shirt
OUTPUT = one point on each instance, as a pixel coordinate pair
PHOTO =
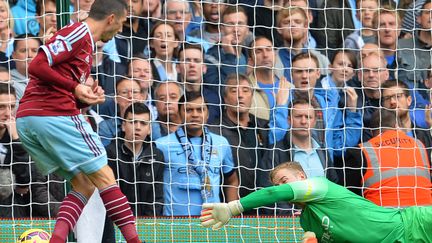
(334, 129)
(300, 143)
(197, 162)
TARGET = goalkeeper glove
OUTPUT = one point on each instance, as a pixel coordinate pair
(309, 237)
(216, 215)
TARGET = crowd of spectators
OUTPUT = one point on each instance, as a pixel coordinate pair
(204, 98)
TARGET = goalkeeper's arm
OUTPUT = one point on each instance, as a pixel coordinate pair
(216, 215)
(267, 196)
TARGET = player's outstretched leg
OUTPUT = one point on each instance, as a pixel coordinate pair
(116, 204)
(71, 208)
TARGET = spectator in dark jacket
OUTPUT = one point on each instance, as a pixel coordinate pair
(167, 96)
(192, 68)
(246, 133)
(47, 193)
(14, 167)
(137, 164)
(373, 72)
(134, 36)
(228, 56)
(335, 21)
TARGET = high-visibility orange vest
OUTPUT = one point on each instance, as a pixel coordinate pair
(398, 171)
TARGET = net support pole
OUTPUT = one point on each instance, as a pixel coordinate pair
(63, 16)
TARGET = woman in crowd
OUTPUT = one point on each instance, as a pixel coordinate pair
(163, 45)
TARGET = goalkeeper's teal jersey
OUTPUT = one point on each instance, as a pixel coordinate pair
(336, 214)
(333, 212)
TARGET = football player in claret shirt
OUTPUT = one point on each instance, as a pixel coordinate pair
(52, 128)
(331, 212)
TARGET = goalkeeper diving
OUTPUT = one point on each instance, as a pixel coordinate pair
(332, 212)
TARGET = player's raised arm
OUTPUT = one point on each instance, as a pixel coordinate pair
(216, 215)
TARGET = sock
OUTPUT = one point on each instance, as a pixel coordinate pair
(119, 211)
(69, 212)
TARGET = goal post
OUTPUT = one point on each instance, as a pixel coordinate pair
(62, 13)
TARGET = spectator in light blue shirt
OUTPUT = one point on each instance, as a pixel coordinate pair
(198, 162)
(300, 144)
(335, 128)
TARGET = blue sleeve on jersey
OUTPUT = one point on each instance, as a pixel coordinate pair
(57, 51)
(278, 124)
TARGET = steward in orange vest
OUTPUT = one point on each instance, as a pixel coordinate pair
(397, 171)
(392, 169)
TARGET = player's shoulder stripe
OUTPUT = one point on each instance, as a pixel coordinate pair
(72, 37)
(77, 38)
(74, 31)
(81, 35)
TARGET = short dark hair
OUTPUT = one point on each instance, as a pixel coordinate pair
(24, 37)
(159, 84)
(137, 56)
(350, 54)
(252, 44)
(305, 55)
(383, 118)
(7, 89)
(4, 69)
(300, 100)
(127, 79)
(103, 8)
(40, 5)
(425, 3)
(429, 71)
(237, 77)
(232, 9)
(188, 97)
(396, 83)
(136, 108)
(191, 45)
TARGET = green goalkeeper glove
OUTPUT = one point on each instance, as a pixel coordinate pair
(216, 215)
